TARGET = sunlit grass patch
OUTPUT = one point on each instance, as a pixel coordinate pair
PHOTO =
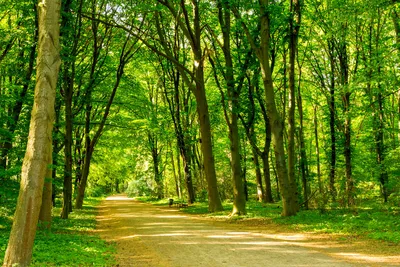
(69, 242)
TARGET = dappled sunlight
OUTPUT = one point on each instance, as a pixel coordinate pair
(171, 216)
(147, 233)
(294, 237)
(155, 235)
(119, 197)
(369, 258)
(227, 236)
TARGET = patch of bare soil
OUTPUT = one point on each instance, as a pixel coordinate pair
(146, 235)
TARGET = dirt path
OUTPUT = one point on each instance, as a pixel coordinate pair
(146, 235)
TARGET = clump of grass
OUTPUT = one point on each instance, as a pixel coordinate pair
(69, 242)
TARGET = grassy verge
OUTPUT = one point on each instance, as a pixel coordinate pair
(68, 243)
(378, 223)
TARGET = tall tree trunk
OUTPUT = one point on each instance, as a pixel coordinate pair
(38, 153)
(67, 188)
(47, 205)
(332, 119)
(231, 116)
(156, 163)
(214, 201)
(380, 148)
(176, 177)
(260, 189)
(80, 195)
(267, 179)
(192, 31)
(303, 154)
(294, 26)
(288, 193)
(188, 175)
(239, 200)
(344, 78)
(320, 187)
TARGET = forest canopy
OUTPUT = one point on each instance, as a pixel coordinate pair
(289, 101)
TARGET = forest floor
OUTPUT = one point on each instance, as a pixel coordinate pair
(148, 235)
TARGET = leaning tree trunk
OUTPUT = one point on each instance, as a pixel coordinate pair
(38, 152)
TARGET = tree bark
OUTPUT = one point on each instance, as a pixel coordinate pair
(260, 189)
(294, 27)
(231, 116)
(267, 179)
(288, 193)
(192, 31)
(176, 177)
(320, 186)
(47, 204)
(38, 153)
(332, 118)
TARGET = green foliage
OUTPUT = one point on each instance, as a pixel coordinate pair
(68, 243)
(139, 188)
(98, 191)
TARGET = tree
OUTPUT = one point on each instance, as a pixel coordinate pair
(38, 153)
(262, 51)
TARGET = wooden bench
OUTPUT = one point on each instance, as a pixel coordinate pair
(177, 204)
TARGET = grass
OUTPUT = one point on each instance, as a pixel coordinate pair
(68, 243)
(374, 222)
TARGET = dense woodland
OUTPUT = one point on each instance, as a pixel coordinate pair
(286, 101)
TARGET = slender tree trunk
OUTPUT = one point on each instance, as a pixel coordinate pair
(214, 201)
(231, 116)
(67, 189)
(176, 177)
(85, 174)
(303, 154)
(267, 179)
(157, 175)
(38, 154)
(294, 26)
(239, 200)
(188, 175)
(380, 148)
(344, 75)
(47, 205)
(288, 193)
(192, 31)
(320, 187)
(332, 118)
(260, 189)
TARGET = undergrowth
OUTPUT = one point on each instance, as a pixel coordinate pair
(68, 243)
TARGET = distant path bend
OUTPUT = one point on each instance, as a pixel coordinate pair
(146, 235)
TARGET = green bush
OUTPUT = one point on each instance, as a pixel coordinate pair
(138, 188)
